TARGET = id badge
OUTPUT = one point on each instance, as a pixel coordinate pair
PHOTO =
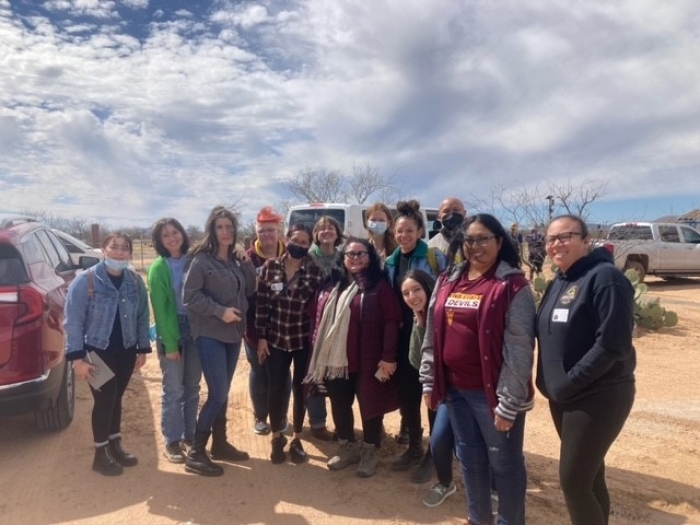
(560, 315)
(277, 287)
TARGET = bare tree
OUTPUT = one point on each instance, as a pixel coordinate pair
(318, 185)
(366, 181)
(247, 230)
(78, 227)
(194, 233)
(531, 206)
(46, 217)
(577, 199)
(324, 185)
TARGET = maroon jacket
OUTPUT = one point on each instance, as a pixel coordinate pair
(375, 316)
(492, 320)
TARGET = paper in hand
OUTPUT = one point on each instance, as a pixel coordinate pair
(101, 373)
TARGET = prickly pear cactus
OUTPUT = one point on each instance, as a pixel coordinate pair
(648, 313)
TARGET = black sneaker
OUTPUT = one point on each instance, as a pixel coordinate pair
(297, 451)
(278, 455)
(174, 453)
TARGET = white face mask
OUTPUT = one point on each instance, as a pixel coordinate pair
(376, 227)
(113, 264)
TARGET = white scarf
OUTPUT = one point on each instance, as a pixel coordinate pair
(330, 357)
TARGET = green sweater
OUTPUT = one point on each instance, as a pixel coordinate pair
(160, 283)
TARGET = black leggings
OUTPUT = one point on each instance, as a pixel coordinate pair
(278, 364)
(410, 390)
(342, 393)
(107, 410)
(587, 428)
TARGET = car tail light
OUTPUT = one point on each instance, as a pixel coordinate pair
(32, 305)
(610, 247)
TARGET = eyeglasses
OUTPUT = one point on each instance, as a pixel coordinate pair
(356, 255)
(482, 240)
(563, 238)
(267, 231)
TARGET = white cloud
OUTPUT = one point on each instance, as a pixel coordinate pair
(198, 107)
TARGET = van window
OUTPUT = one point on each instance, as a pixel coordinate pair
(310, 217)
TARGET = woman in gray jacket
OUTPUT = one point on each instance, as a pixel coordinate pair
(216, 286)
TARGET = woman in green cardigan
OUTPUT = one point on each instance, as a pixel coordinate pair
(177, 354)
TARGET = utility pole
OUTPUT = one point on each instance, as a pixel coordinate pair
(550, 200)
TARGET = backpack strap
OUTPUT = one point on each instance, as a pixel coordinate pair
(91, 284)
(433, 260)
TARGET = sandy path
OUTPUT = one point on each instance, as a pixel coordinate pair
(653, 469)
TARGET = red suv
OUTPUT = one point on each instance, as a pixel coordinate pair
(35, 271)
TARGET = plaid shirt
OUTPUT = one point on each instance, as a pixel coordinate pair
(281, 309)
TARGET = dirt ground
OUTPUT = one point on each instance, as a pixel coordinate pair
(653, 469)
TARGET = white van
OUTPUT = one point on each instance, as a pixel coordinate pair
(351, 217)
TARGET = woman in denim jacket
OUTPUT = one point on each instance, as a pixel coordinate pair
(107, 312)
(177, 354)
(216, 288)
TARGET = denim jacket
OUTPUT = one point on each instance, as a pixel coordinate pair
(89, 321)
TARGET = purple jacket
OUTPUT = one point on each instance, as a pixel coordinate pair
(373, 335)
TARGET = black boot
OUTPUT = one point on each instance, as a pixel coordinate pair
(413, 454)
(222, 449)
(402, 436)
(425, 470)
(105, 464)
(198, 461)
(120, 455)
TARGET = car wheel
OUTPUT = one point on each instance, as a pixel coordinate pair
(60, 414)
(639, 268)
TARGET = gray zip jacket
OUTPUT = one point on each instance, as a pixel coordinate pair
(211, 286)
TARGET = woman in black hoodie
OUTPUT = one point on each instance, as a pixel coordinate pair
(586, 362)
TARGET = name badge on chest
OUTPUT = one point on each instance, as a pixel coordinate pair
(277, 287)
(560, 315)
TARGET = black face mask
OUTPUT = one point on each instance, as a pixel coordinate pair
(452, 221)
(296, 252)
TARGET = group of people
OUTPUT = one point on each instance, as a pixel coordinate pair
(391, 321)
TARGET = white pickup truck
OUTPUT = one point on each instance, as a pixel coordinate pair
(655, 248)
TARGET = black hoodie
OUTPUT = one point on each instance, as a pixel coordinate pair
(584, 330)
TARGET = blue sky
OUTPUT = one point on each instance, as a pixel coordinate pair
(127, 111)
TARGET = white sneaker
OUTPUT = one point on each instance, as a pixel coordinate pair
(261, 427)
(438, 494)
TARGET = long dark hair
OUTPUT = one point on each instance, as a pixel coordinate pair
(157, 232)
(209, 243)
(371, 276)
(507, 252)
(423, 278)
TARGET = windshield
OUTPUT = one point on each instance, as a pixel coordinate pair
(310, 216)
(66, 237)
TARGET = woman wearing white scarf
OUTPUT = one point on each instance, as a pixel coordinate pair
(357, 322)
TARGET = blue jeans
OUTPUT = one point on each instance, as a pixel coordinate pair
(483, 452)
(258, 384)
(180, 395)
(316, 407)
(442, 445)
(219, 361)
